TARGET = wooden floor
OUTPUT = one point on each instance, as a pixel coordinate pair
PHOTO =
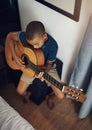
(62, 117)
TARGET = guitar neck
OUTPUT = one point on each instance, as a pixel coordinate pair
(45, 75)
(53, 81)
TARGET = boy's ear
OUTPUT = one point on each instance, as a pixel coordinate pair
(45, 35)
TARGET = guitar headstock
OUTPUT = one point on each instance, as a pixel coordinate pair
(74, 93)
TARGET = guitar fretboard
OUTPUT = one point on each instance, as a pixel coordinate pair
(45, 75)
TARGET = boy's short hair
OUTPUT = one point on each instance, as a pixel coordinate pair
(33, 28)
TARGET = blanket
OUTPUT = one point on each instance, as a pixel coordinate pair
(10, 118)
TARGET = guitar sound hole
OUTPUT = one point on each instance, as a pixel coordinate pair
(12, 58)
(25, 60)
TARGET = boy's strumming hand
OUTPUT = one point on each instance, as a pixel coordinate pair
(19, 61)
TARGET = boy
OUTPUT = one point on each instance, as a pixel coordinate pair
(36, 36)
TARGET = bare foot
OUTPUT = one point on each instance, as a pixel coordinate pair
(26, 98)
(49, 102)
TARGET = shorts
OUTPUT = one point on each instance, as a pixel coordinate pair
(53, 73)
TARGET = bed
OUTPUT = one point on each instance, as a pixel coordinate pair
(10, 119)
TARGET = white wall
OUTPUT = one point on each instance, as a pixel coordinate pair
(68, 33)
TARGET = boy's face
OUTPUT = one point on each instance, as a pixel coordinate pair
(38, 41)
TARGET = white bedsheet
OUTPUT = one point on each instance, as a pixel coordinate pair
(10, 118)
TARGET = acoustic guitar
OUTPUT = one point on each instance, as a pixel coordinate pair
(34, 58)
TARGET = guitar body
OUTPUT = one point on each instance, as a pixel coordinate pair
(36, 56)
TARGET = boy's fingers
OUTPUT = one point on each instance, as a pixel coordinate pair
(40, 76)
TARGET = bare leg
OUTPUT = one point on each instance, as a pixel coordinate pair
(50, 98)
(21, 89)
(59, 94)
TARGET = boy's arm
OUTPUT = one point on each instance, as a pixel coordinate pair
(11, 41)
(48, 66)
(46, 70)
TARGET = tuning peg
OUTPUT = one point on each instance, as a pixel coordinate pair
(77, 87)
(81, 90)
(73, 86)
(77, 98)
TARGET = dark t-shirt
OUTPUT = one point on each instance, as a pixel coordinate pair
(49, 48)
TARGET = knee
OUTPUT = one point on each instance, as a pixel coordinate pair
(60, 95)
(20, 92)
